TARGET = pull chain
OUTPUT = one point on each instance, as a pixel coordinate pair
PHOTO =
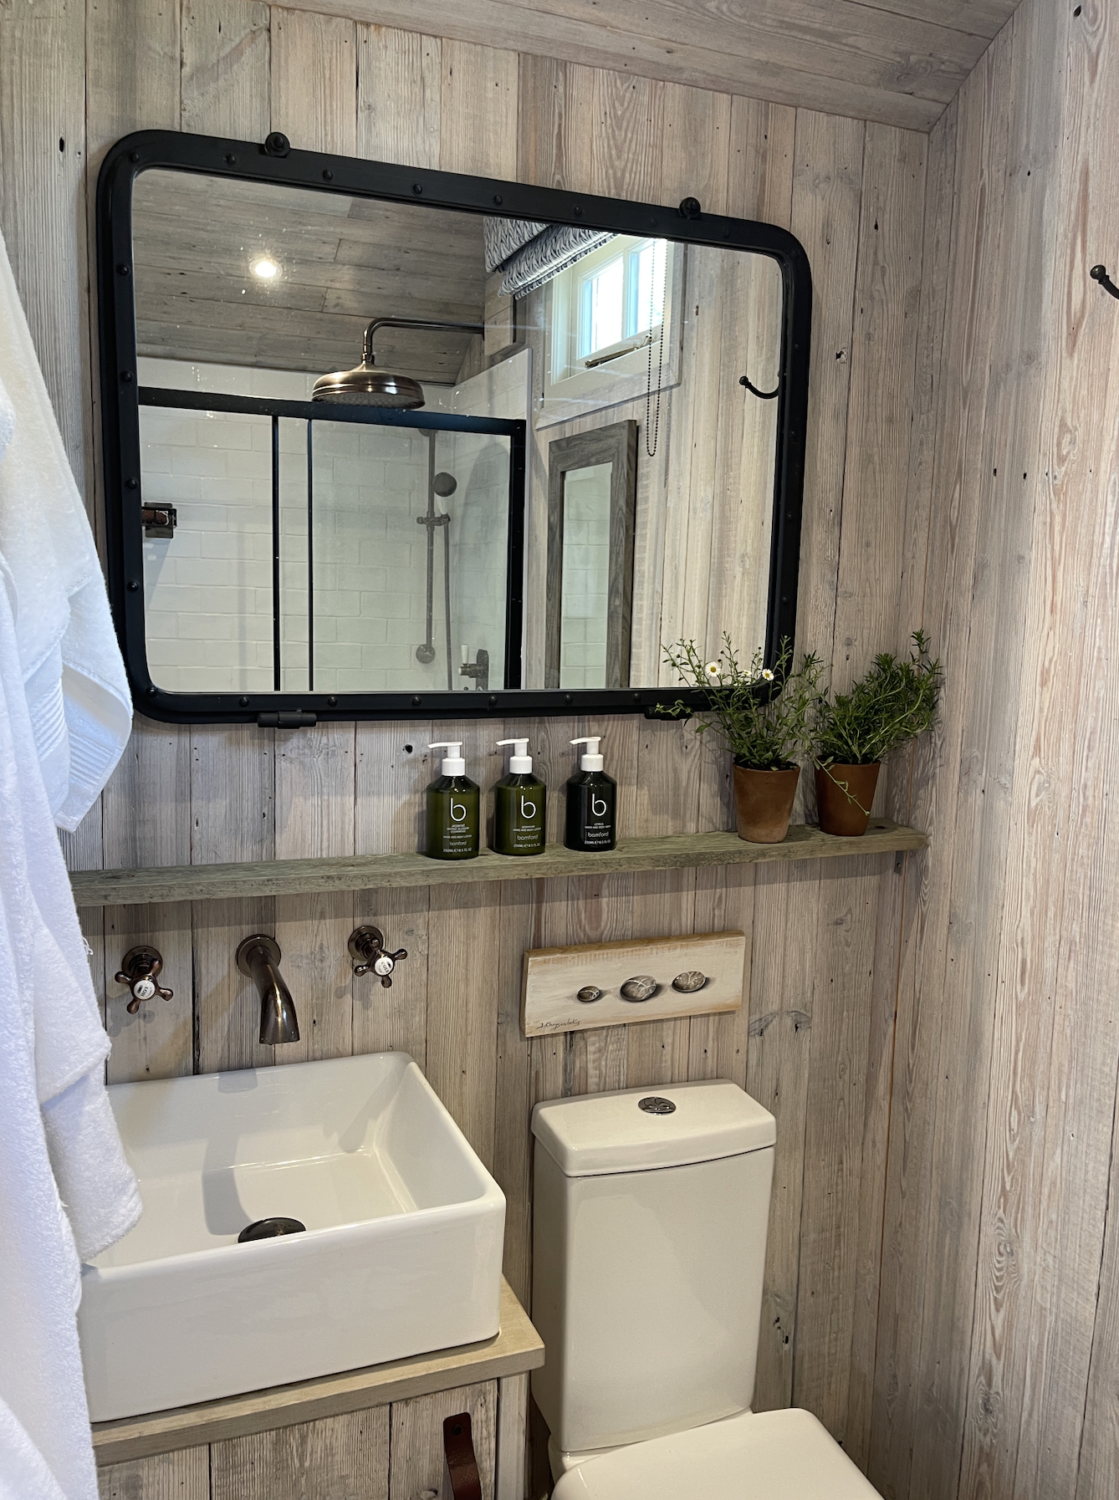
(651, 448)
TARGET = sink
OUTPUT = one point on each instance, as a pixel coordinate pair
(401, 1253)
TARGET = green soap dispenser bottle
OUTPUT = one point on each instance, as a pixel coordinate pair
(452, 808)
(592, 799)
(519, 802)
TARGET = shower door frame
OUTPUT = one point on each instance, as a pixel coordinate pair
(515, 429)
(274, 162)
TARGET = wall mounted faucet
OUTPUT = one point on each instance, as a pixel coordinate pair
(139, 969)
(367, 944)
(259, 958)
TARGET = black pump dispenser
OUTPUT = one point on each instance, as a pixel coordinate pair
(592, 799)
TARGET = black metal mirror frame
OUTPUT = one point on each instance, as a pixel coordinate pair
(276, 163)
(615, 445)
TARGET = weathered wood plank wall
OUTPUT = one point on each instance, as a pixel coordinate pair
(814, 1041)
(996, 1372)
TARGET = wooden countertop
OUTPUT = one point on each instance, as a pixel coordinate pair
(516, 1349)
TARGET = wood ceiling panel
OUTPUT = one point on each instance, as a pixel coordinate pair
(342, 262)
(895, 61)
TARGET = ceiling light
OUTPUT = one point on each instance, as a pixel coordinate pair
(266, 269)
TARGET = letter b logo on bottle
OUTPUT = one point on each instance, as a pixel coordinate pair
(528, 809)
(458, 811)
(598, 806)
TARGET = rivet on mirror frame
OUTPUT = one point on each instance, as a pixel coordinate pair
(243, 702)
(328, 175)
(230, 159)
(123, 269)
(417, 187)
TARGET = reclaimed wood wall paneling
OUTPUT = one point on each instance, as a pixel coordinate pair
(227, 793)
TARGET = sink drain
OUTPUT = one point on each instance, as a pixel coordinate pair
(269, 1229)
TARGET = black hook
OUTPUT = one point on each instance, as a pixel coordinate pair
(276, 143)
(752, 388)
(690, 209)
(1099, 273)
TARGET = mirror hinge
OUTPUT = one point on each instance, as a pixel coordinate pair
(295, 719)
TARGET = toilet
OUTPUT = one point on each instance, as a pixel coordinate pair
(649, 1230)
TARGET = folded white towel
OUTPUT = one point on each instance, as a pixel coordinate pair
(65, 1188)
(73, 675)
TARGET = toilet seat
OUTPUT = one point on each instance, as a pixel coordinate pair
(774, 1455)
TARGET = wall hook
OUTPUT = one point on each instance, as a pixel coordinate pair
(1099, 273)
(752, 388)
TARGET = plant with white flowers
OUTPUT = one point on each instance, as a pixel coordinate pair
(761, 715)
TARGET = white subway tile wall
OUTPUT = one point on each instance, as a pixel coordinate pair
(208, 589)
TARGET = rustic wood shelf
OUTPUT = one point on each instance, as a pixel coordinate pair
(292, 877)
(514, 1351)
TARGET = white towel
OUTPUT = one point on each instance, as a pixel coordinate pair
(65, 1188)
(77, 691)
(24, 1474)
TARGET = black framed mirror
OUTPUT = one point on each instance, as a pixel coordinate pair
(334, 392)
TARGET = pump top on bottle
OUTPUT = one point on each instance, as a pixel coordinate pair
(519, 805)
(453, 820)
(590, 760)
(454, 764)
(520, 762)
(592, 798)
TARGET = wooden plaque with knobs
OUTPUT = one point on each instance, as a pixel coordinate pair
(639, 979)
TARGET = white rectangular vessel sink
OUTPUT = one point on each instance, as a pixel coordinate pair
(401, 1253)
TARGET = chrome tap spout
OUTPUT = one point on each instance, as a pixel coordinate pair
(259, 958)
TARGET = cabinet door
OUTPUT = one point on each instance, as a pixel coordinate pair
(416, 1471)
(335, 1458)
(183, 1475)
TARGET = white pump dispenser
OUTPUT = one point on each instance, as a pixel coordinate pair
(454, 764)
(520, 762)
(590, 760)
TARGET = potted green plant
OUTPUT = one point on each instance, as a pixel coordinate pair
(763, 717)
(894, 702)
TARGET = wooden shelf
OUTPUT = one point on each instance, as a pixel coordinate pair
(291, 877)
(515, 1350)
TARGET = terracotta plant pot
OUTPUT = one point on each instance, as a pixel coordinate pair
(843, 797)
(763, 803)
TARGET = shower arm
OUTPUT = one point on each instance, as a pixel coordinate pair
(423, 323)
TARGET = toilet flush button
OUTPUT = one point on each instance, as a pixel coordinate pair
(653, 1104)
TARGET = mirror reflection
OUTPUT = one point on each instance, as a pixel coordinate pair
(368, 429)
(586, 578)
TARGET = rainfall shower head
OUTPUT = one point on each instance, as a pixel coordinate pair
(369, 386)
(444, 484)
